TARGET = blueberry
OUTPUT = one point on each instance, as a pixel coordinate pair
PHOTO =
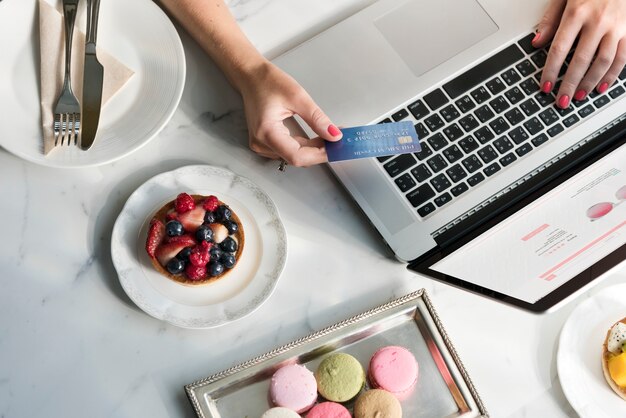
(231, 226)
(215, 268)
(215, 253)
(174, 228)
(228, 260)
(184, 254)
(229, 245)
(209, 217)
(223, 213)
(204, 233)
(175, 266)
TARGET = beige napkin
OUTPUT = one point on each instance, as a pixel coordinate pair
(52, 49)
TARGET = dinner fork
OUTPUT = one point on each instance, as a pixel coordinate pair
(67, 109)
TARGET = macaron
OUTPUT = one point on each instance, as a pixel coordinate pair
(395, 370)
(329, 410)
(377, 403)
(294, 387)
(280, 412)
(340, 377)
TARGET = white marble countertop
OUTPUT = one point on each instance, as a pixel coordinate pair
(72, 344)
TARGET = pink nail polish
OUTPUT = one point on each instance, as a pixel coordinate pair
(547, 87)
(603, 87)
(580, 95)
(536, 38)
(333, 130)
(564, 101)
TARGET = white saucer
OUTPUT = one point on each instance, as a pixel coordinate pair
(579, 354)
(139, 34)
(239, 293)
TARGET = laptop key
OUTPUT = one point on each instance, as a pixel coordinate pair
(434, 122)
(399, 164)
(484, 113)
(564, 112)
(465, 104)
(400, 114)
(499, 104)
(514, 116)
(487, 154)
(484, 135)
(453, 132)
(525, 68)
(472, 163)
(475, 179)
(622, 75)
(539, 58)
(491, 170)
(503, 144)
(506, 160)
(586, 111)
(468, 144)
(421, 130)
(524, 149)
(383, 159)
(514, 95)
(468, 123)
(529, 86)
(437, 163)
(405, 182)
(426, 210)
(420, 195)
(421, 172)
(443, 199)
(616, 92)
(593, 94)
(449, 113)
(456, 173)
(435, 99)
(601, 101)
(452, 153)
(539, 139)
(549, 116)
(480, 95)
(459, 189)
(418, 109)
(533, 126)
(518, 135)
(440, 182)
(570, 120)
(556, 129)
(544, 99)
(386, 120)
(499, 126)
(437, 141)
(510, 76)
(529, 107)
(424, 152)
(495, 85)
(581, 103)
(526, 43)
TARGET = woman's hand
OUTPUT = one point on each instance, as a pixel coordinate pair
(600, 55)
(270, 96)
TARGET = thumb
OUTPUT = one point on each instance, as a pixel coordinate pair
(549, 23)
(311, 113)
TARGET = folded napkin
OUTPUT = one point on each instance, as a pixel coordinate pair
(52, 50)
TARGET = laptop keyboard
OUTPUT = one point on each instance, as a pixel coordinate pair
(486, 119)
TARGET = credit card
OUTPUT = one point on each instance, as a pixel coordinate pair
(374, 141)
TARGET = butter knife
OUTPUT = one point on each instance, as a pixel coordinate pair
(92, 80)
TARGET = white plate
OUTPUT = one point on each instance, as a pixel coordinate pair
(135, 32)
(580, 350)
(239, 293)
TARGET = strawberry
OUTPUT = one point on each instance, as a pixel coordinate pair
(199, 256)
(211, 203)
(155, 236)
(171, 215)
(166, 252)
(195, 272)
(184, 203)
(192, 219)
(186, 239)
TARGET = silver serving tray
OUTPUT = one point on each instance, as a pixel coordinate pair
(444, 388)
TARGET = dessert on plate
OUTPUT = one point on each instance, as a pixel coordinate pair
(195, 240)
(614, 358)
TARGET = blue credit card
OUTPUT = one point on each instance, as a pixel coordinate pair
(374, 141)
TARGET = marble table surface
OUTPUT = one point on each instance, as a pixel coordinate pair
(72, 344)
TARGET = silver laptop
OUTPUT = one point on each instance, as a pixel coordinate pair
(465, 73)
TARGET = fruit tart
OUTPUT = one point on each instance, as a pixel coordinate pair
(614, 358)
(195, 240)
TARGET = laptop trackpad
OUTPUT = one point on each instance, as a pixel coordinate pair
(426, 33)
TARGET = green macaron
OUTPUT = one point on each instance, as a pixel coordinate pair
(340, 377)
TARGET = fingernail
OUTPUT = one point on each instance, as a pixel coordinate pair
(333, 130)
(564, 101)
(536, 38)
(603, 87)
(547, 87)
(580, 95)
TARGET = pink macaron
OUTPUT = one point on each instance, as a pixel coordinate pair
(294, 387)
(395, 370)
(329, 410)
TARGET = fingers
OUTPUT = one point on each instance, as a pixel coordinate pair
(262, 150)
(601, 64)
(309, 111)
(298, 153)
(616, 68)
(549, 23)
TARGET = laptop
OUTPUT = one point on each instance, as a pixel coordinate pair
(494, 148)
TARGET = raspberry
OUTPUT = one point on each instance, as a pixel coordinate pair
(211, 203)
(184, 203)
(195, 272)
(199, 256)
(171, 216)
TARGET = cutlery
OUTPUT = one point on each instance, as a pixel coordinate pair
(92, 79)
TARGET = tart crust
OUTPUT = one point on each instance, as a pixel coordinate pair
(605, 364)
